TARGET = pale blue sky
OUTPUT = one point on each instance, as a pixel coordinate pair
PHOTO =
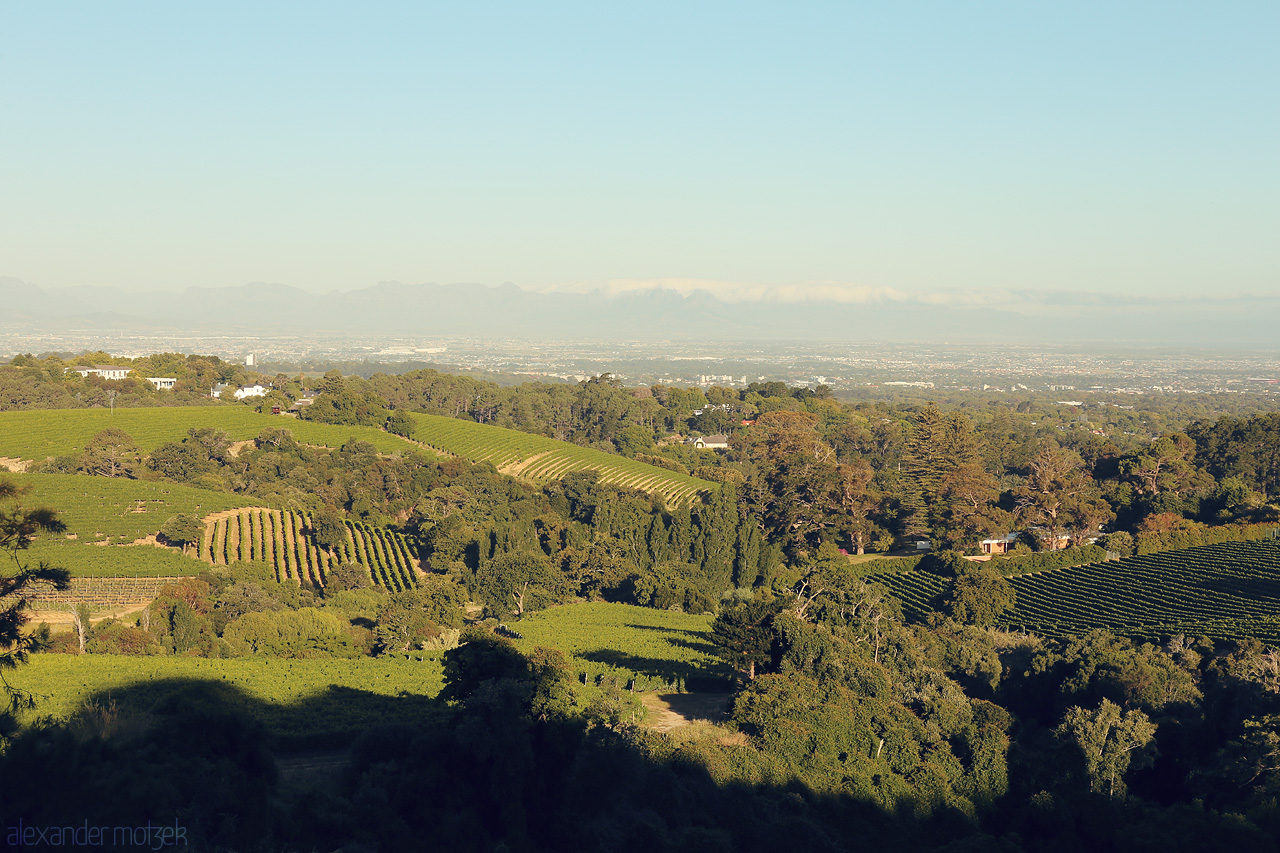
(916, 147)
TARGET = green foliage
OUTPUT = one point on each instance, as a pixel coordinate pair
(979, 596)
(1110, 741)
(516, 582)
(410, 618)
(743, 634)
(1041, 561)
(328, 528)
(112, 637)
(356, 605)
(399, 423)
(652, 649)
(342, 577)
(111, 452)
(347, 408)
(305, 633)
(182, 529)
(674, 586)
(480, 657)
(1099, 666)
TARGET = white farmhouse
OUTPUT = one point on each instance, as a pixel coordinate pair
(106, 371)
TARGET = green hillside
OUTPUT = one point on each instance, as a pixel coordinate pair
(119, 510)
(1222, 591)
(40, 433)
(537, 459)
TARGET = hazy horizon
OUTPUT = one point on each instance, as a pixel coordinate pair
(993, 153)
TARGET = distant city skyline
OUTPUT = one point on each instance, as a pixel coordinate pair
(980, 153)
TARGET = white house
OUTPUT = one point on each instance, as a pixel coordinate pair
(712, 442)
(162, 383)
(106, 371)
(251, 391)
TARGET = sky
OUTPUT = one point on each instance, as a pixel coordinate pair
(872, 150)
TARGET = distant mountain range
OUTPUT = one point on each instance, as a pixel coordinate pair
(653, 313)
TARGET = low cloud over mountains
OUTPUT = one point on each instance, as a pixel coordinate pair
(659, 309)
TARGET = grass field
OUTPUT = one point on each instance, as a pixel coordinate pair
(300, 702)
(658, 649)
(37, 434)
(537, 459)
(1224, 591)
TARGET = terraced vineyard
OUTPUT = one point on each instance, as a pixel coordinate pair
(537, 459)
(283, 539)
(1222, 591)
(37, 434)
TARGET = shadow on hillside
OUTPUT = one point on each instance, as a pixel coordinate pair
(195, 757)
(691, 676)
(202, 758)
(660, 629)
(698, 646)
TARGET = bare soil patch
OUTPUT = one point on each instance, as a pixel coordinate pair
(64, 617)
(668, 711)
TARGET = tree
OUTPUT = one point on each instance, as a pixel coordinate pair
(111, 453)
(518, 581)
(1109, 740)
(182, 530)
(743, 634)
(19, 525)
(1059, 499)
(401, 424)
(81, 618)
(795, 487)
(328, 529)
(978, 595)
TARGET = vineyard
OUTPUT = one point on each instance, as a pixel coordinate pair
(653, 649)
(1222, 591)
(142, 561)
(282, 538)
(537, 459)
(37, 434)
(117, 510)
(299, 702)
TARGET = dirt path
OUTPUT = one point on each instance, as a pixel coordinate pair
(669, 711)
(60, 618)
